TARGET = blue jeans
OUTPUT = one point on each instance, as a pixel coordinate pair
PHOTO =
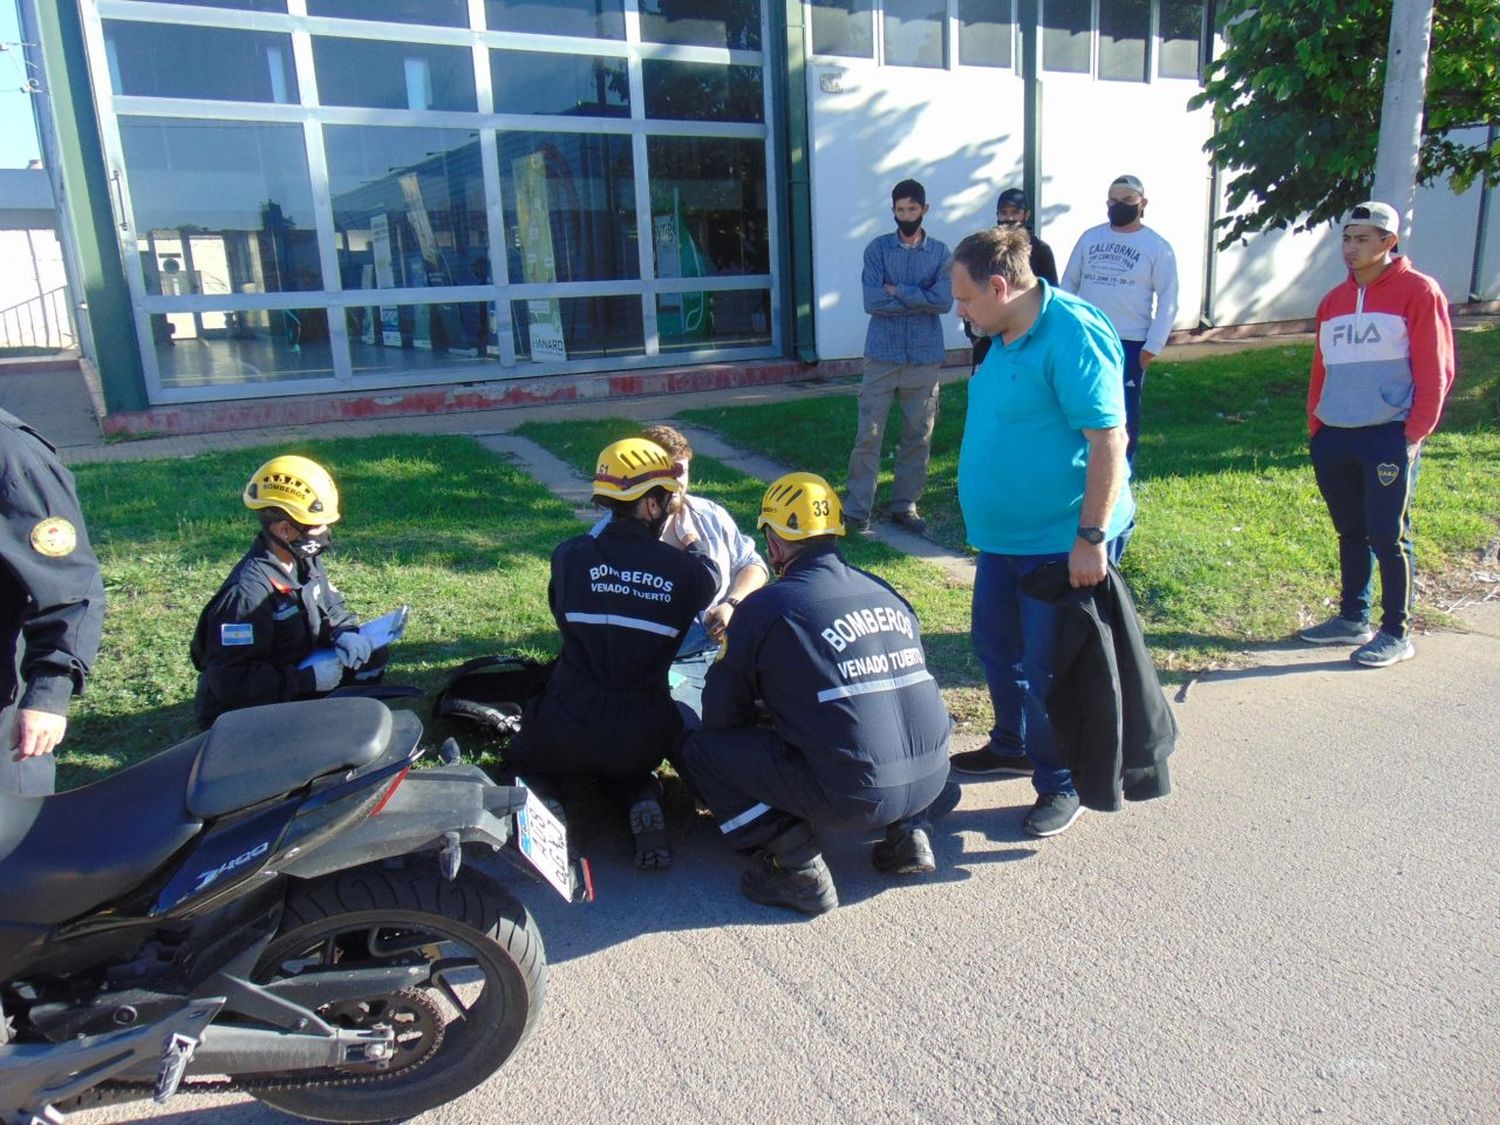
(689, 671)
(1015, 638)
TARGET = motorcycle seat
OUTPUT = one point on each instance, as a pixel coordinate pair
(258, 753)
(63, 855)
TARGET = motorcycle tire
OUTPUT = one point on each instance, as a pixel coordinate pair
(374, 913)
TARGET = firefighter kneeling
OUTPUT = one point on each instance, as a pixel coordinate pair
(821, 714)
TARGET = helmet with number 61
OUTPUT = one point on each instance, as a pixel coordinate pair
(801, 506)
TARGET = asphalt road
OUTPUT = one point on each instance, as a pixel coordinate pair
(1304, 931)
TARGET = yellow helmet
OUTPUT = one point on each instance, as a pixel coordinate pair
(800, 506)
(299, 487)
(632, 467)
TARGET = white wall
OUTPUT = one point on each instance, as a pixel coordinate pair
(1093, 132)
(960, 133)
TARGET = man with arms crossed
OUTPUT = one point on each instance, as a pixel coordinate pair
(906, 292)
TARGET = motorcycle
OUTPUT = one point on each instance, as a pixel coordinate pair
(281, 900)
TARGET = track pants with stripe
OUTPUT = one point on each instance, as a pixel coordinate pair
(1367, 483)
(760, 789)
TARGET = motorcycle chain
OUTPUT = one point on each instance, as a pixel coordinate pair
(128, 1091)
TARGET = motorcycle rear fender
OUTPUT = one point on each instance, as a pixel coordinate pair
(423, 810)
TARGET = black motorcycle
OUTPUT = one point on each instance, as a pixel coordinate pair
(279, 901)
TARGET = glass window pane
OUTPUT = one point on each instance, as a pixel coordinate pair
(984, 32)
(392, 338)
(702, 23)
(442, 13)
(556, 329)
(684, 91)
(363, 72)
(591, 19)
(408, 206)
(225, 204)
(1124, 26)
(247, 346)
(1066, 25)
(843, 27)
(569, 201)
(1181, 37)
(572, 85)
(157, 60)
(239, 5)
(708, 206)
(737, 319)
(914, 32)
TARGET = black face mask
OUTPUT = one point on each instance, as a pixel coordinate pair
(659, 523)
(1123, 214)
(306, 546)
(908, 227)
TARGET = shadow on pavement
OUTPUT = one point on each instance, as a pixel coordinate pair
(702, 888)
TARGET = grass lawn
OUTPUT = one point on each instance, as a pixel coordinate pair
(1233, 546)
(437, 522)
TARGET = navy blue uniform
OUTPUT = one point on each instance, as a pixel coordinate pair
(255, 630)
(623, 601)
(858, 733)
(52, 598)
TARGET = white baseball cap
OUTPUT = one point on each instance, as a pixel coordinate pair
(1381, 216)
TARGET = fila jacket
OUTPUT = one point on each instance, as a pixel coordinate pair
(1384, 354)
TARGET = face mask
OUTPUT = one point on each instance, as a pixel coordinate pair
(1123, 214)
(307, 546)
(659, 523)
(908, 227)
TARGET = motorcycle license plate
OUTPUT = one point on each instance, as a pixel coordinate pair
(544, 842)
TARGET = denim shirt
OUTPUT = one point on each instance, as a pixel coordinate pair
(906, 327)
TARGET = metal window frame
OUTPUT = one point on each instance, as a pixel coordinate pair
(313, 117)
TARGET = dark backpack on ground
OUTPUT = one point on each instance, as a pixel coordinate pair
(492, 691)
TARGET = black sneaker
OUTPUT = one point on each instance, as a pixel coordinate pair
(1053, 813)
(906, 850)
(986, 762)
(808, 888)
(859, 525)
(648, 824)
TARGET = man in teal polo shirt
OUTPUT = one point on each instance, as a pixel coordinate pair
(1041, 478)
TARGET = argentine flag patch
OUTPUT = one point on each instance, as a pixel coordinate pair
(232, 635)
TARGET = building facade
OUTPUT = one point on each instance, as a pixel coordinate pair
(271, 198)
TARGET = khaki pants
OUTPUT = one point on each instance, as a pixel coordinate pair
(915, 387)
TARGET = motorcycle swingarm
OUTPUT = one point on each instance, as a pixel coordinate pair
(35, 1076)
(427, 812)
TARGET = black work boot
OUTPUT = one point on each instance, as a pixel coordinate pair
(648, 827)
(906, 850)
(807, 887)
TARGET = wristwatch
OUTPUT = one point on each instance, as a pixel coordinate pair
(732, 602)
(1094, 535)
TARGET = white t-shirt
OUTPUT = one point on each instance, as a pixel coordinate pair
(1129, 276)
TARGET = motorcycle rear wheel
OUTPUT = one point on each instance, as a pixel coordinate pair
(488, 984)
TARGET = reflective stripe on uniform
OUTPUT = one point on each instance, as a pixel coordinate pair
(625, 622)
(870, 686)
(744, 818)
